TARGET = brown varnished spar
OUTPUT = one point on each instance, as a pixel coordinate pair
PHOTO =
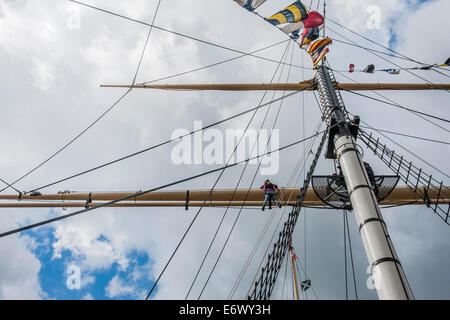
(218, 198)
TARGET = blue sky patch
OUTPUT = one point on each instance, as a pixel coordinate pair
(55, 273)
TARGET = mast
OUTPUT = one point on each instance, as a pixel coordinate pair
(386, 269)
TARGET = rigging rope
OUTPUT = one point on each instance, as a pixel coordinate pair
(213, 65)
(285, 277)
(146, 43)
(254, 177)
(393, 103)
(410, 174)
(304, 168)
(177, 33)
(345, 258)
(351, 253)
(263, 287)
(399, 106)
(395, 64)
(99, 118)
(290, 183)
(410, 152)
(237, 185)
(71, 141)
(374, 42)
(408, 135)
(217, 180)
(162, 143)
(367, 48)
(10, 186)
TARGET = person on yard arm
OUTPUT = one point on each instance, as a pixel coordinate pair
(269, 189)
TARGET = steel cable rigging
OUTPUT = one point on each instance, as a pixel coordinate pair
(385, 59)
(232, 196)
(141, 193)
(396, 104)
(290, 183)
(177, 33)
(217, 180)
(378, 44)
(254, 177)
(162, 143)
(108, 110)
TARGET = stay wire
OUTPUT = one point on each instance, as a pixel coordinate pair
(10, 186)
(399, 106)
(288, 184)
(212, 65)
(392, 102)
(378, 44)
(297, 264)
(345, 258)
(410, 152)
(177, 33)
(146, 43)
(284, 281)
(306, 157)
(312, 287)
(275, 231)
(256, 246)
(98, 119)
(254, 177)
(351, 253)
(395, 64)
(71, 141)
(232, 196)
(258, 243)
(367, 48)
(162, 143)
(409, 136)
(141, 193)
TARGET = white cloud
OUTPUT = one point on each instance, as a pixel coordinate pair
(117, 288)
(92, 253)
(50, 82)
(88, 296)
(19, 270)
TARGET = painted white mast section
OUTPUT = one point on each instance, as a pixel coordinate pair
(387, 272)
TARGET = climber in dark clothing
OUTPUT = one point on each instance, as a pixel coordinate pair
(269, 189)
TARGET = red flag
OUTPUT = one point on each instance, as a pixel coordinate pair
(351, 68)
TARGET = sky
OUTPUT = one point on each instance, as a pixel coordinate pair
(54, 55)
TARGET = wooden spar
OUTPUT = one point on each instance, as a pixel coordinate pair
(399, 193)
(180, 204)
(218, 198)
(306, 85)
(212, 204)
(302, 86)
(294, 275)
